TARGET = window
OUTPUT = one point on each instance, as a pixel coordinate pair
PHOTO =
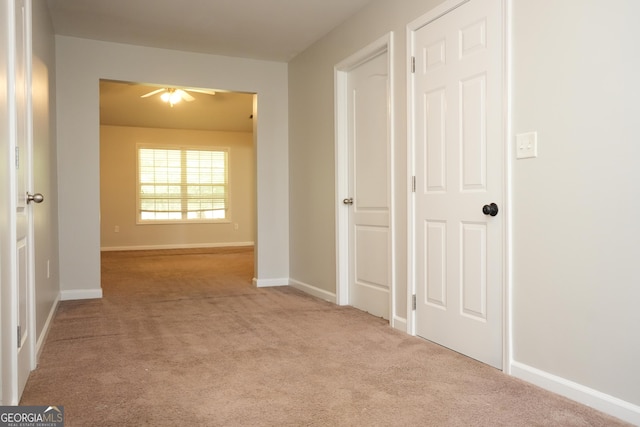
(182, 185)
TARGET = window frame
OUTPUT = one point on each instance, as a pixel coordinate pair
(182, 148)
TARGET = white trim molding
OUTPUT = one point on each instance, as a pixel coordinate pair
(587, 396)
(314, 291)
(78, 294)
(399, 323)
(184, 246)
(507, 302)
(270, 283)
(47, 326)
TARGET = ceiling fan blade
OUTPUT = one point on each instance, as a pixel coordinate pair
(153, 92)
(208, 92)
(185, 95)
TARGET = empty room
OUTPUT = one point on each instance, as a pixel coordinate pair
(422, 213)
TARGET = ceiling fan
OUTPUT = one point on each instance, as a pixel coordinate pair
(173, 96)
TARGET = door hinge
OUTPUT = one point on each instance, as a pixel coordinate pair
(413, 64)
(413, 301)
(413, 184)
(19, 336)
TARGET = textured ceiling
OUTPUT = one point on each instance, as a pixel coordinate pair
(274, 30)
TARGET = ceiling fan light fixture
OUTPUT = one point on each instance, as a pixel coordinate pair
(171, 96)
(175, 97)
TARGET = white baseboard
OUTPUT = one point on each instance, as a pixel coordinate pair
(399, 323)
(183, 246)
(45, 330)
(587, 396)
(269, 283)
(77, 294)
(312, 290)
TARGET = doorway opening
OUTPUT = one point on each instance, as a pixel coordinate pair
(177, 168)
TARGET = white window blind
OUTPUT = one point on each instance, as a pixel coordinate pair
(182, 184)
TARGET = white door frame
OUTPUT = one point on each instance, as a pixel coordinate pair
(412, 27)
(8, 321)
(29, 160)
(341, 72)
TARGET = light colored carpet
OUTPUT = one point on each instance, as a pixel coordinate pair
(182, 338)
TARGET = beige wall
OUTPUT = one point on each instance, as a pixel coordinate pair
(576, 283)
(118, 186)
(47, 282)
(311, 144)
(573, 276)
(80, 64)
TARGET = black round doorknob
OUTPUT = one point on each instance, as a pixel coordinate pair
(491, 209)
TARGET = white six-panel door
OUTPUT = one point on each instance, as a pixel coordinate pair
(458, 163)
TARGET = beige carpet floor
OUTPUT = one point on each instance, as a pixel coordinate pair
(182, 338)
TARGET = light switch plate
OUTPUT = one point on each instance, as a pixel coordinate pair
(527, 145)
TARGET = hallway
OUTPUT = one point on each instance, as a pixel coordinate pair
(182, 337)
